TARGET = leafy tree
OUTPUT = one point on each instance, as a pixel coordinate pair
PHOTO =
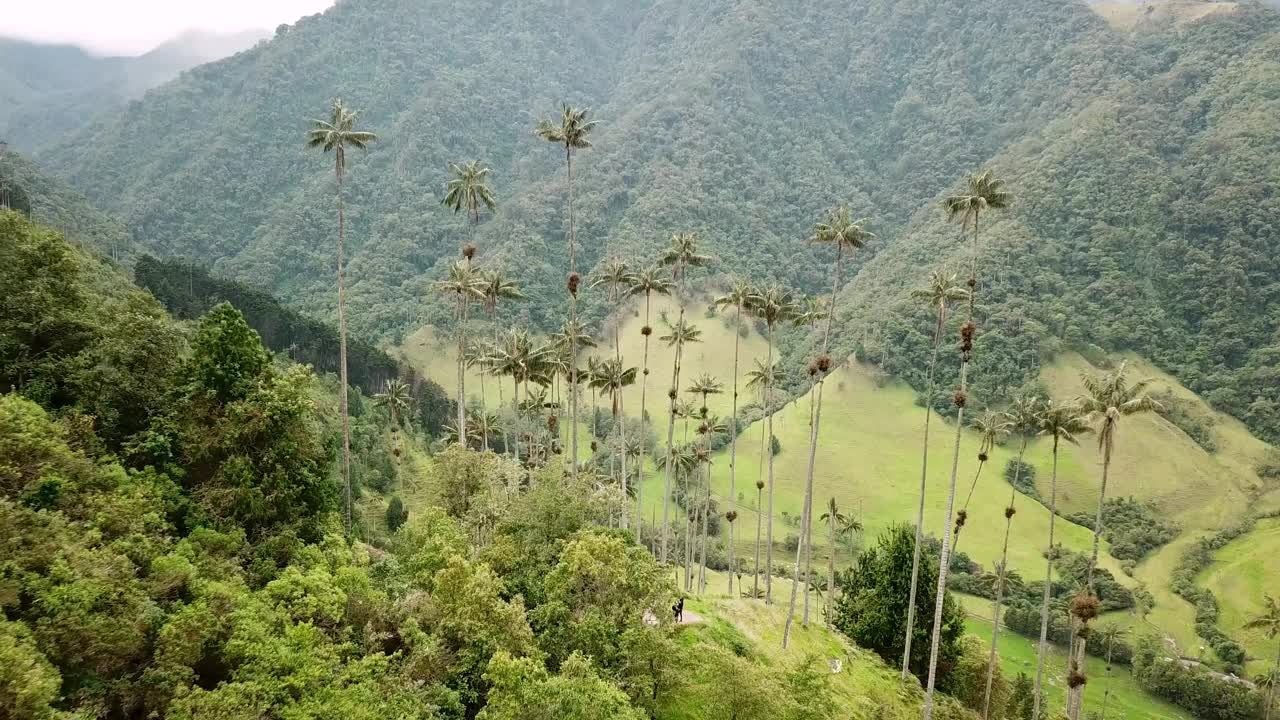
(983, 191)
(524, 690)
(396, 514)
(940, 293)
(873, 606)
(29, 684)
(968, 679)
(335, 135)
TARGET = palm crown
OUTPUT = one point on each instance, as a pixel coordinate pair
(336, 133)
(468, 188)
(650, 281)
(1268, 620)
(943, 288)
(614, 273)
(682, 332)
(762, 377)
(497, 287)
(1063, 421)
(461, 280)
(775, 304)
(683, 254)
(983, 191)
(840, 230)
(394, 397)
(1110, 397)
(572, 130)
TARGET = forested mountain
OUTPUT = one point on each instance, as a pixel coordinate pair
(48, 92)
(1142, 162)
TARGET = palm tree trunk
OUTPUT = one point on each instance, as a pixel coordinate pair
(462, 405)
(1075, 696)
(1004, 561)
(1097, 522)
(573, 336)
(804, 519)
(1048, 584)
(515, 414)
(1271, 687)
(644, 424)
(733, 449)
(759, 520)
(944, 561)
(831, 568)
(702, 550)
(768, 560)
(671, 436)
(924, 474)
(342, 351)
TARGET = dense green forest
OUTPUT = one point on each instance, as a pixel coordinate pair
(1145, 163)
(225, 492)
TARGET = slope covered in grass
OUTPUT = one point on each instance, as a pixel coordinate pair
(1242, 573)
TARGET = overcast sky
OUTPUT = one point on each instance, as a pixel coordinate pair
(131, 27)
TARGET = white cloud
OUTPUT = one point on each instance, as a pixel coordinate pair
(131, 27)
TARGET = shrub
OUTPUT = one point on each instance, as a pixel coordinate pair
(396, 513)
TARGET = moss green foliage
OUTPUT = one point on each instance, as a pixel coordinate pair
(1134, 528)
(56, 204)
(1210, 696)
(189, 291)
(872, 610)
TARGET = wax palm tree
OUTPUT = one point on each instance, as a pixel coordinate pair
(834, 519)
(1023, 418)
(468, 189)
(1062, 422)
(1111, 633)
(335, 134)
(465, 285)
(517, 357)
(983, 192)
(648, 282)
(1268, 621)
(480, 357)
(572, 336)
(615, 376)
(1108, 398)
(992, 428)
(760, 379)
(774, 305)
(737, 296)
(678, 462)
(943, 289)
(497, 288)
(705, 385)
(618, 277)
(680, 256)
(709, 427)
(480, 425)
(570, 132)
(839, 229)
(681, 334)
(395, 397)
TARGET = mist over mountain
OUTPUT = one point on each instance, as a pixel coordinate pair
(49, 91)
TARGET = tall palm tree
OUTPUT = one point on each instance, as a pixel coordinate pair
(395, 397)
(680, 256)
(705, 385)
(942, 290)
(737, 296)
(992, 428)
(983, 191)
(496, 289)
(1108, 398)
(847, 235)
(1023, 417)
(761, 379)
(710, 427)
(1062, 422)
(647, 282)
(680, 462)
(465, 285)
(571, 132)
(834, 519)
(335, 134)
(572, 336)
(617, 276)
(1268, 621)
(468, 189)
(680, 334)
(1111, 633)
(774, 305)
(615, 376)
